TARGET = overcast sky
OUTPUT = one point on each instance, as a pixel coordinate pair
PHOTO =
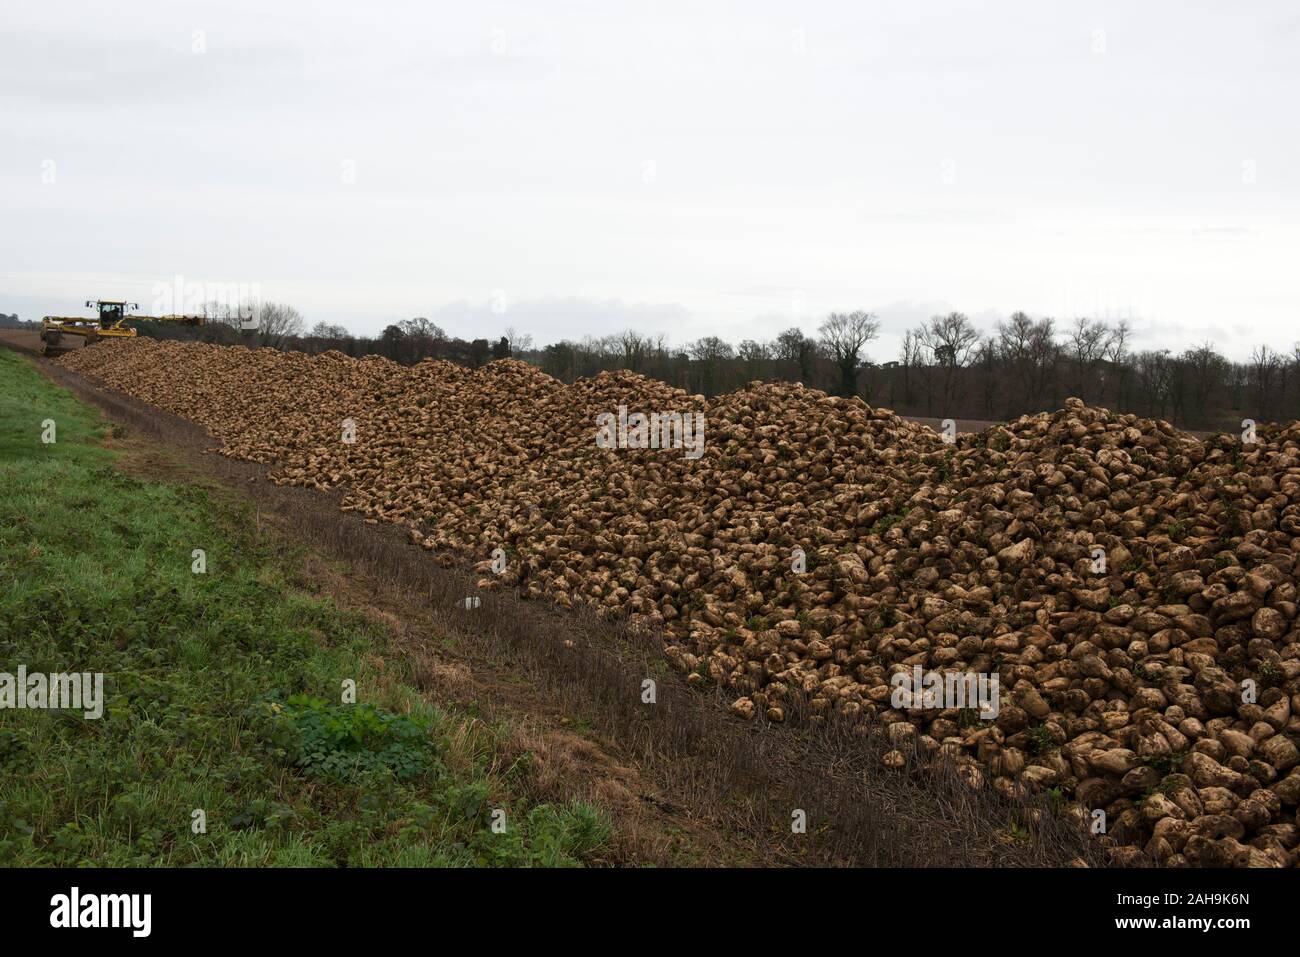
(690, 168)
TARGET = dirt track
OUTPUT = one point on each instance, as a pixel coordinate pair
(683, 781)
(21, 340)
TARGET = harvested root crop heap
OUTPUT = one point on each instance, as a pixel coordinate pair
(1132, 588)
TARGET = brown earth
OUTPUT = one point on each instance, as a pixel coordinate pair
(21, 340)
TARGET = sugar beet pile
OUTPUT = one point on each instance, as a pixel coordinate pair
(1124, 682)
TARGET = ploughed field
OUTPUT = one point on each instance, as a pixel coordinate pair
(1132, 588)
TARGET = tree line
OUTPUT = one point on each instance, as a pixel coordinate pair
(281, 326)
(946, 367)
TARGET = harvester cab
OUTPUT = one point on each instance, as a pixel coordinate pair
(111, 313)
(110, 322)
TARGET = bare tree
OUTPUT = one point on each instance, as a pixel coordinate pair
(1265, 372)
(1294, 371)
(324, 330)
(843, 335)
(635, 347)
(1204, 374)
(1117, 354)
(709, 352)
(1029, 348)
(421, 339)
(794, 347)
(951, 341)
(754, 357)
(519, 342)
(276, 322)
(588, 356)
(1088, 341)
(986, 357)
(421, 328)
(1153, 371)
(220, 311)
(909, 360)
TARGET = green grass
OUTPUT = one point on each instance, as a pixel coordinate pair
(223, 690)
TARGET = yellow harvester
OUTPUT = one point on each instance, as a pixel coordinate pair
(110, 323)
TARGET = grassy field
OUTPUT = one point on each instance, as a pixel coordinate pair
(224, 689)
